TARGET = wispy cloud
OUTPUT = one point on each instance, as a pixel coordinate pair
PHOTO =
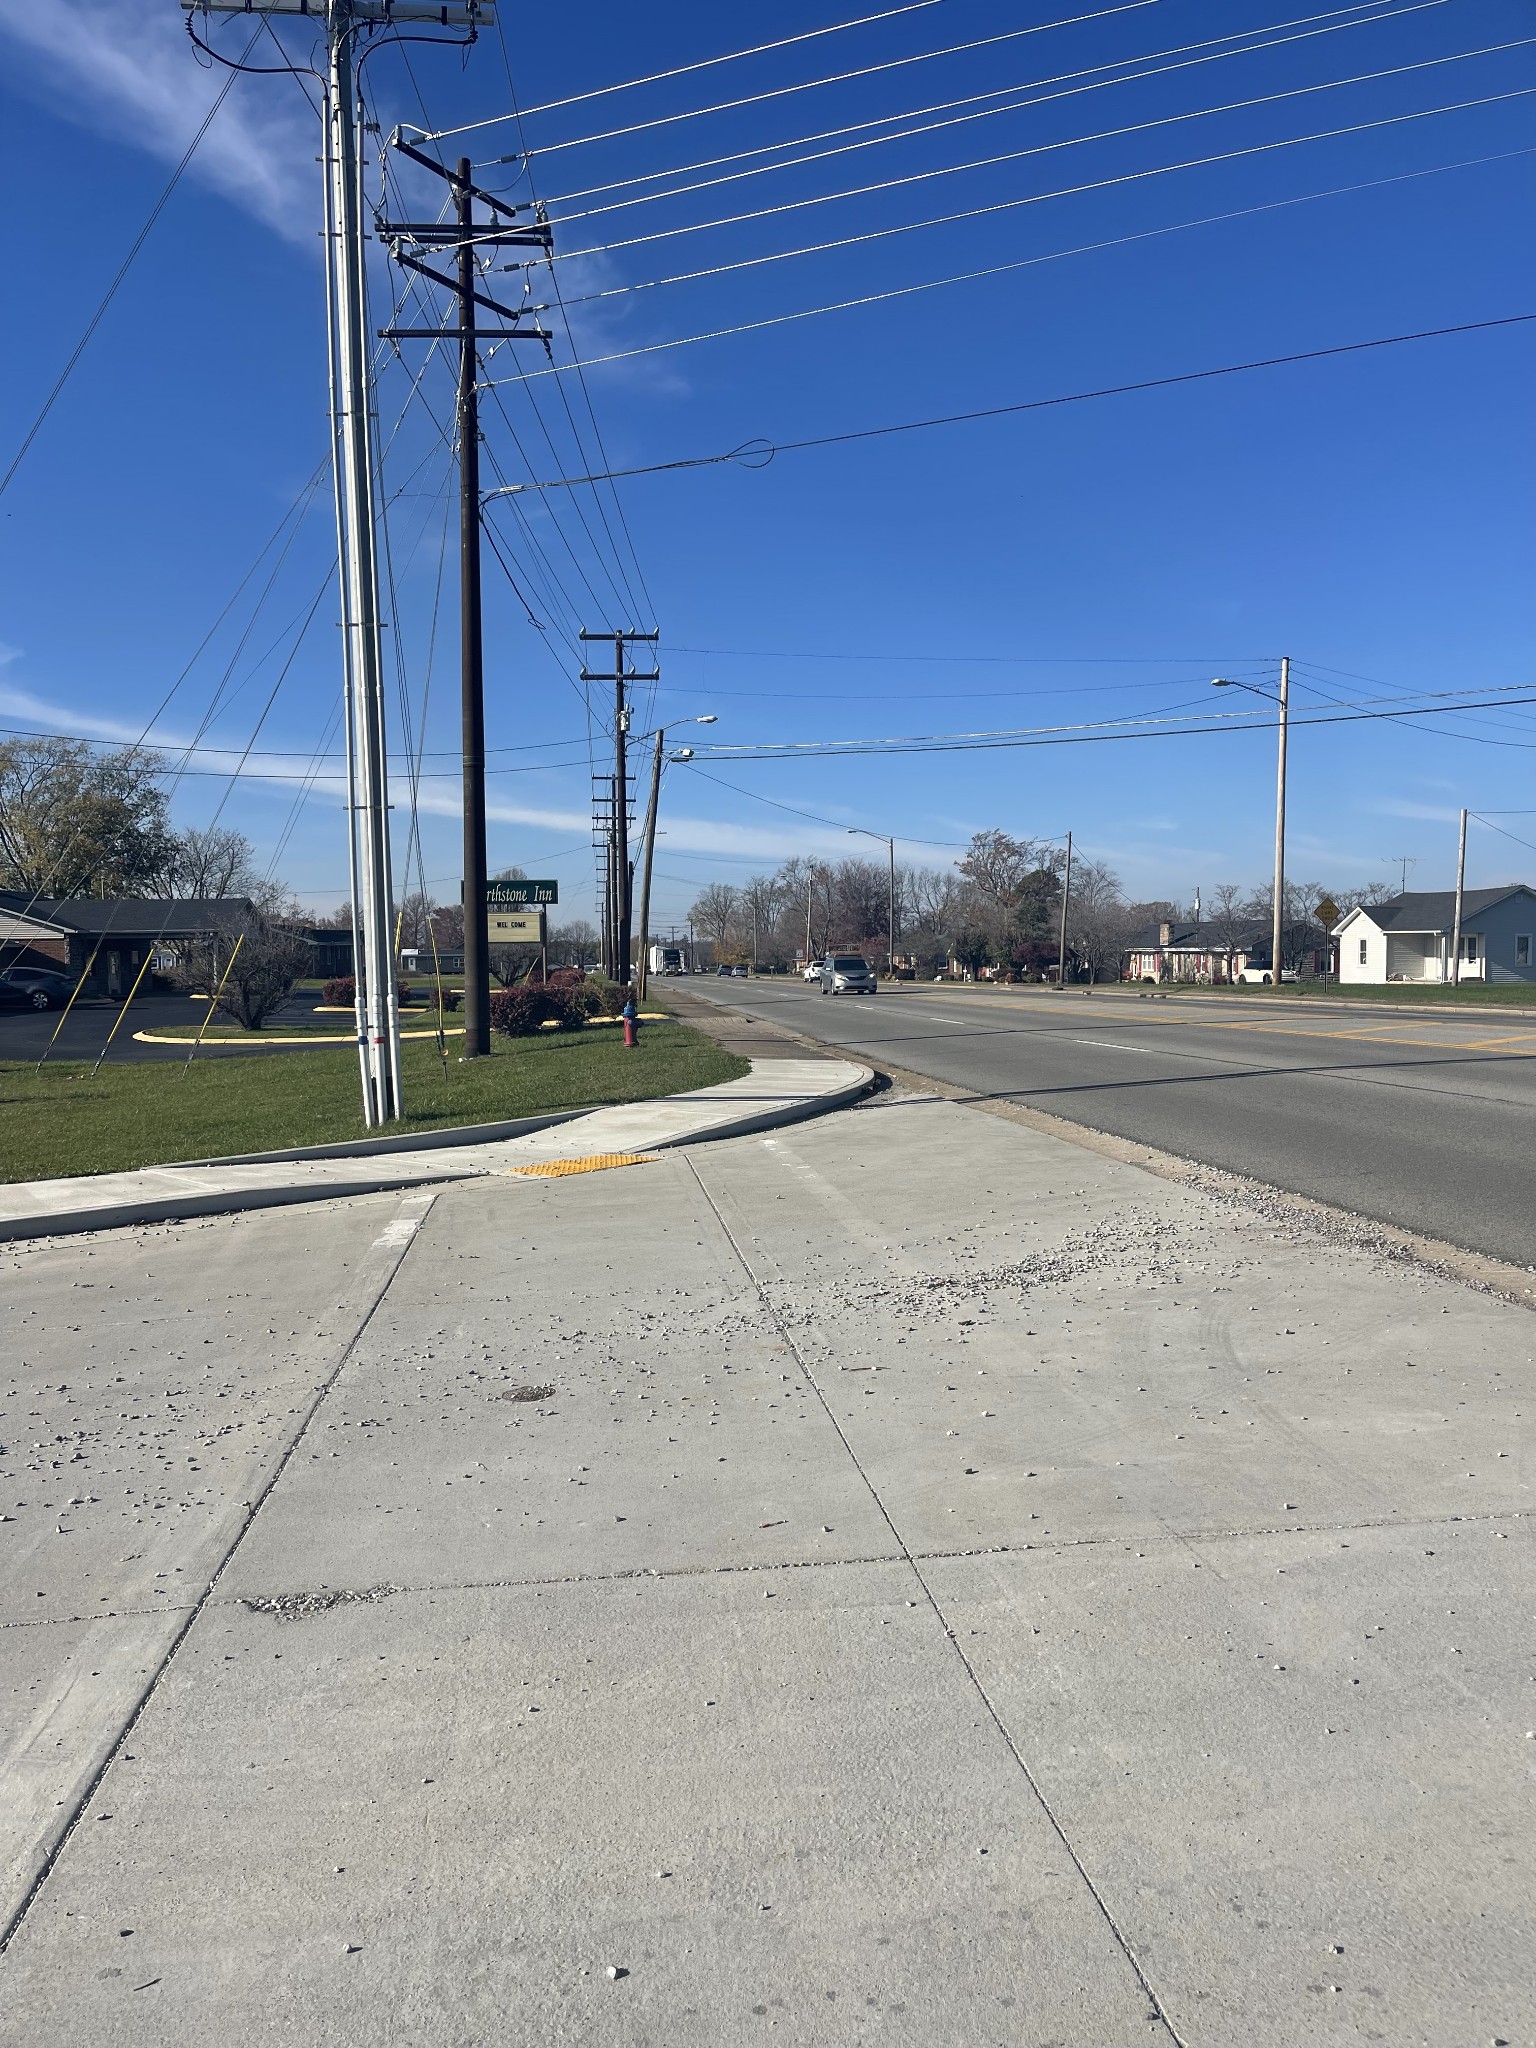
(1397, 807)
(127, 66)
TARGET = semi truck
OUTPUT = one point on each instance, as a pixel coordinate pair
(666, 960)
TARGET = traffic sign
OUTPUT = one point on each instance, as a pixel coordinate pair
(508, 895)
(1327, 913)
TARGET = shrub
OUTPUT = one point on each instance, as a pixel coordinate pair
(519, 1012)
(444, 998)
(340, 993)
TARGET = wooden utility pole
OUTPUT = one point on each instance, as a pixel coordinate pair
(1461, 889)
(1278, 921)
(470, 242)
(648, 850)
(621, 876)
(1066, 897)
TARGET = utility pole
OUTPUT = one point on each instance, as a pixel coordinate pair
(1066, 896)
(352, 440)
(1461, 889)
(890, 943)
(810, 885)
(470, 242)
(620, 872)
(648, 853)
(1278, 922)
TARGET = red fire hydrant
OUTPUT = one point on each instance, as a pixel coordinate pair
(631, 1018)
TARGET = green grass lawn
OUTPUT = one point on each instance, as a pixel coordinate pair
(65, 1121)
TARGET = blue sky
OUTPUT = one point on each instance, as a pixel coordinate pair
(1370, 516)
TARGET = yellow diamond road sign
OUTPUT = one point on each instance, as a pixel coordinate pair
(1327, 912)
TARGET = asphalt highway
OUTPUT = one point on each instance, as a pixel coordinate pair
(1427, 1122)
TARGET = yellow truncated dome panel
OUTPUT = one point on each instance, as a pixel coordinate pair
(551, 1169)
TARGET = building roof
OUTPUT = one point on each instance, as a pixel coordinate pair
(169, 916)
(1185, 936)
(1434, 910)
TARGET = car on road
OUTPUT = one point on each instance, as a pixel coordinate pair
(33, 988)
(813, 970)
(847, 974)
(1256, 972)
(738, 972)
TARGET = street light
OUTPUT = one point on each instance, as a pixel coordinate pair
(1284, 701)
(682, 754)
(860, 831)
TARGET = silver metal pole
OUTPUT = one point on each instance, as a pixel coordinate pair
(379, 1024)
(1461, 885)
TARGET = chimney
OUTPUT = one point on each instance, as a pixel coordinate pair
(1165, 935)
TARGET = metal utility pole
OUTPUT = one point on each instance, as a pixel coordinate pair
(471, 242)
(1066, 897)
(1461, 890)
(621, 873)
(352, 432)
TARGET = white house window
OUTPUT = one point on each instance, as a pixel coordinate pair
(1522, 949)
(1469, 945)
(1364, 944)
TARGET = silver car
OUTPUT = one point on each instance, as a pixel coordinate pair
(847, 974)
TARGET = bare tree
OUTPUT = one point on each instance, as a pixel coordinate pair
(714, 912)
(254, 984)
(216, 861)
(1231, 920)
(1098, 927)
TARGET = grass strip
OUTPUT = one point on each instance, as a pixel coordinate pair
(66, 1121)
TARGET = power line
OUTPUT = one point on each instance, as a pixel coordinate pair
(127, 264)
(839, 824)
(1046, 404)
(683, 70)
(1039, 98)
(1081, 248)
(811, 84)
(985, 163)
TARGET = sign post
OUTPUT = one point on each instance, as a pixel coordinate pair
(1327, 914)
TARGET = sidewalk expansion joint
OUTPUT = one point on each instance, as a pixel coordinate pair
(1157, 2011)
(389, 1250)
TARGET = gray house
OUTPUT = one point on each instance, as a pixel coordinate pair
(1409, 938)
(110, 936)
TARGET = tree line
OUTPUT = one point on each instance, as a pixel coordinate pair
(997, 907)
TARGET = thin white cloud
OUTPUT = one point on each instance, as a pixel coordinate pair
(1394, 807)
(127, 66)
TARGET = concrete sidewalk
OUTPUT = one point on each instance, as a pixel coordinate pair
(777, 1092)
(905, 1579)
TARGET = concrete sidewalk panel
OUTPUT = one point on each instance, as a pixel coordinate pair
(1297, 1768)
(457, 1812)
(679, 1433)
(1056, 1345)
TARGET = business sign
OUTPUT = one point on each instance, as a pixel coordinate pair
(510, 895)
(514, 927)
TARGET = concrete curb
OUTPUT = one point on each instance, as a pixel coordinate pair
(410, 1141)
(171, 1208)
(168, 1204)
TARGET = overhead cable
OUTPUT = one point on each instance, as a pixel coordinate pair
(1040, 149)
(990, 412)
(1360, 20)
(1084, 248)
(806, 85)
(127, 264)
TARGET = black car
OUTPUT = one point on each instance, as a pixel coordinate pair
(29, 988)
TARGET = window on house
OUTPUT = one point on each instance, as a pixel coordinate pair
(1364, 944)
(1469, 945)
(1522, 949)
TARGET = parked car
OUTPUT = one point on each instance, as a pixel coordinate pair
(1256, 972)
(33, 988)
(847, 974)
(813, 970)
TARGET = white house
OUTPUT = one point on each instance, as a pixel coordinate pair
(1409, 938)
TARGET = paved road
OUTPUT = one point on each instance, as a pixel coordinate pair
(28, 1034)
(1426, 1122)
